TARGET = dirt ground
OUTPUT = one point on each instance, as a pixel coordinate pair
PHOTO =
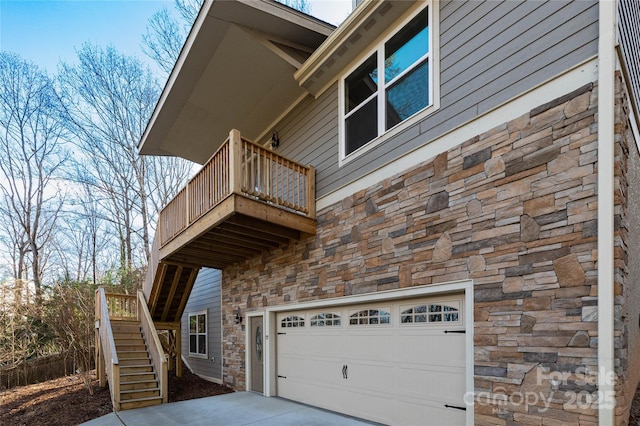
(66, 401)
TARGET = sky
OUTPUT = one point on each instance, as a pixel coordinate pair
(49, 31)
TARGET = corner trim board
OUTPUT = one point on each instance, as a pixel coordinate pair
(606, 148)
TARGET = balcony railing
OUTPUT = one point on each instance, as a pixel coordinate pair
(244, 168)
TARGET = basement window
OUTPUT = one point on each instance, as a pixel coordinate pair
(198, 334)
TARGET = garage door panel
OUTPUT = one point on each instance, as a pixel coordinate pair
(369, 346)
(428, 413)
(419, 383)
(296, 367)
(397, 372)
(440, 348)
(322, 395)
(369, 377)
(326, 344)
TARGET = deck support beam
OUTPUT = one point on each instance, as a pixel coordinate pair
(178, 340)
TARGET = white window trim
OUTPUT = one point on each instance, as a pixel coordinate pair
(204, 312)
(434, 85)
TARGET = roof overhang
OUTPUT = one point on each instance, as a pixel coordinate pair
(235, 71)
(350, 42)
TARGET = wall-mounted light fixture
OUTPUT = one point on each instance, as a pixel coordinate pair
(238, 317)
(275, 140)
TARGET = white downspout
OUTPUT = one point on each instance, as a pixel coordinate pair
(606, 146)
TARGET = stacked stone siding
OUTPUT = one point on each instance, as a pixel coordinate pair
(515, 210)
(627, 256)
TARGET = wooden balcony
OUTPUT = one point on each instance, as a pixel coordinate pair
(246, 199)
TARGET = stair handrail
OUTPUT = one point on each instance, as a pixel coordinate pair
(158, 357)
(108, 344)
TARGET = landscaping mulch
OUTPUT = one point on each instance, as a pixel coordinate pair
(67, 401)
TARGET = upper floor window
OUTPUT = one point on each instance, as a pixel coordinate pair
(389, 86)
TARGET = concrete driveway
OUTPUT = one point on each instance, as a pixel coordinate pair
(233, 409)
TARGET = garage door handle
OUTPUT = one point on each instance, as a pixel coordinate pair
(344, 371)
(455, 331)
(457, 407)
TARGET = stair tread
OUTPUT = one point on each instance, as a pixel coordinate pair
(139, 390)
(137, 382)
(137, 374)
(146, 398)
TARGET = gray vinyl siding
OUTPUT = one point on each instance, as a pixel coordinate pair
(629, 35)
(205, 295)
(490, 52)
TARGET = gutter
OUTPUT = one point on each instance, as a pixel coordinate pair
(606, 147)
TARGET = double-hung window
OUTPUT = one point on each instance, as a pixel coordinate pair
(198, 334)
(391, 85)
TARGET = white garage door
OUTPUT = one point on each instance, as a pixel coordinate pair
(399, 362)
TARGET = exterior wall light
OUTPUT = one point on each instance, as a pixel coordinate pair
(275, 140)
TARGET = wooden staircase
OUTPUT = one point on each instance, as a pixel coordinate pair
(129, 354)
(139, 384)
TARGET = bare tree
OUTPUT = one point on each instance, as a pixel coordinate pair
(30, 158)
(165, 34)
(109, 98)
(163, 40)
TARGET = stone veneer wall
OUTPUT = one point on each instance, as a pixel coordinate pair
(627, 256)
(514, 209)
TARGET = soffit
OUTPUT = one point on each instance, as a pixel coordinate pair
(235, 71)
(349, 43)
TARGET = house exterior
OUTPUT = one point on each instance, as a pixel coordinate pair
(451, 241)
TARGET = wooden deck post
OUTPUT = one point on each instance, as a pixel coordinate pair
(235, 162)
(100, 365)
(311, 193)
(172, 350)
(178, 339)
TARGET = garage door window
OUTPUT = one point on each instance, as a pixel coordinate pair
(431, 313)
(370, 317)
(326, 320)
(292, 321)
